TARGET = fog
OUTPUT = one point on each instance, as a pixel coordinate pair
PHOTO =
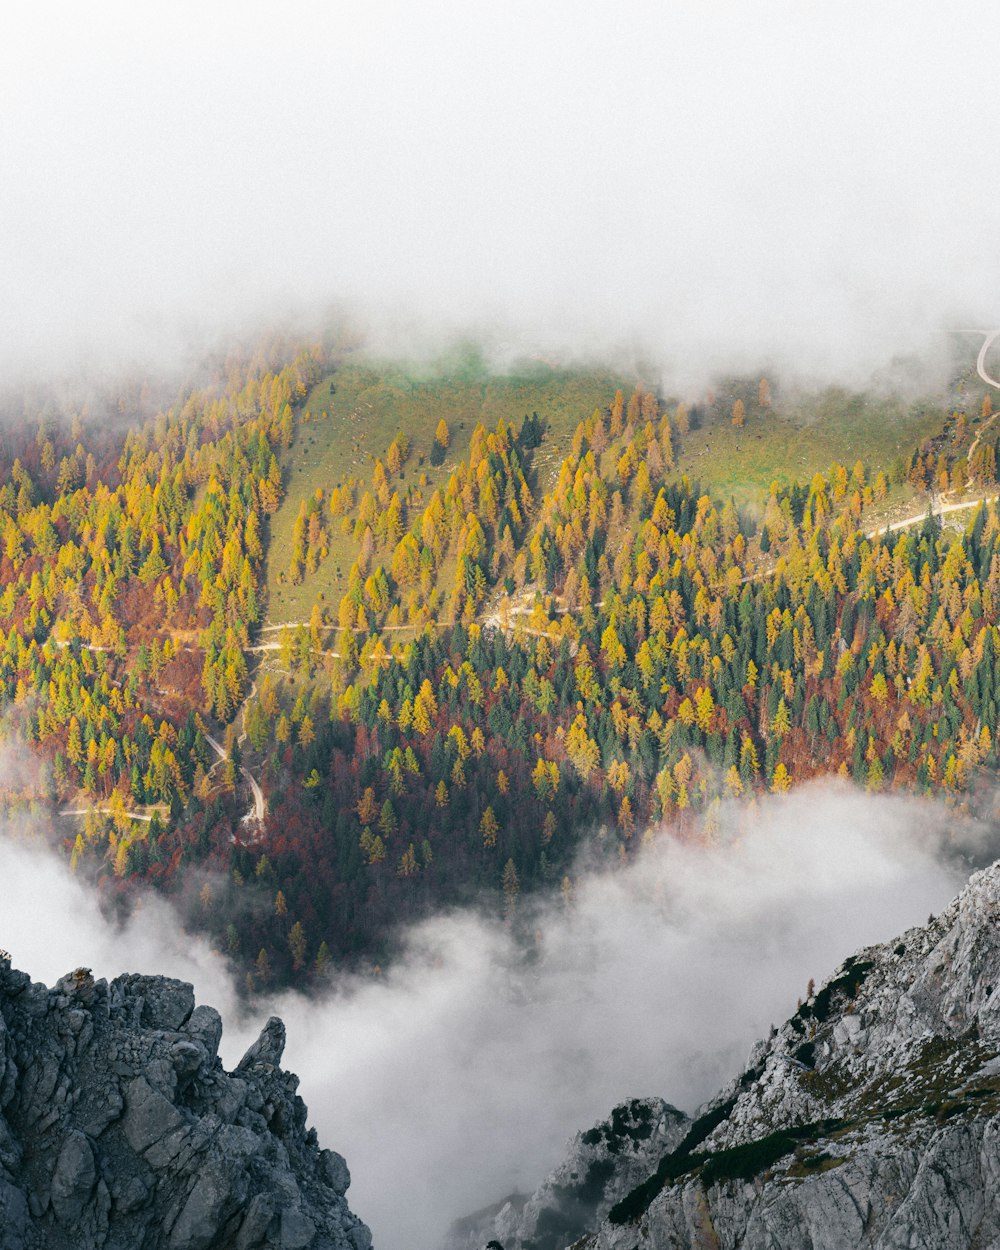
(458, 1075)
(702, 185)
(792, 186)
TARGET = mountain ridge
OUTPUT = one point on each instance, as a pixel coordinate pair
(870, 1118)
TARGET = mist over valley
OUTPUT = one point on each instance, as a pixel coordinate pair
(500, 569)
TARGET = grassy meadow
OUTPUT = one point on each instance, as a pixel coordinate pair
(799, 436)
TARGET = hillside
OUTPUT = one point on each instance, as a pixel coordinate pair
(352, 417)
(415, 650)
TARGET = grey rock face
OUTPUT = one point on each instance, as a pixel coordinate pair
(74, 1179)
(870, 1119)
(120, 1130)
(337, 1174)
(600, 1167)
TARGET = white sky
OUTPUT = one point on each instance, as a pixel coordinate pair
(706, 180)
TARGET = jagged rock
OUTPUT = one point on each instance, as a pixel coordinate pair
(120, 1130)
(74, 1179)
(149, 1117)
(870, 1119)
(600, 1167)
(205, 1025)
(267, 1049)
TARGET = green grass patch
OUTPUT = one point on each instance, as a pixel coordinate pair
(742, 1162)
(750, 1159)
(351, 417)
(847, 984)
(799, 436)
(814, 1165)
(631, 1123)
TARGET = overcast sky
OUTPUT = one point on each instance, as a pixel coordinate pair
(704, 179)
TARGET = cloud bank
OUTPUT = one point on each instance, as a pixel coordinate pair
(724, 184)
(459, 1074)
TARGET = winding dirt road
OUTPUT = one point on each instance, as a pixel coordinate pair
(259, 807)
(990, 337)
(941, 510)
(988, 341)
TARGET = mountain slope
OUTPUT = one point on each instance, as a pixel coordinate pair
(443, 634)
(871, 1118)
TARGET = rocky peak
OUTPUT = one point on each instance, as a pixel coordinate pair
(120, 1129)
(871, 1118)
(601, 1165)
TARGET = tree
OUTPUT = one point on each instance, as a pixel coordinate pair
(582, 750)
(440, 444)
(323, 959)
(424, 709)
(297, 945)
(749, 766)
(626, 821)
(489, 827)
(387, 821)
(511, 889)
(367, 807)
(739, 413)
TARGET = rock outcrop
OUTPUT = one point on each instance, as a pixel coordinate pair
(119, 1128)
(600, 1166)
(870, 1119)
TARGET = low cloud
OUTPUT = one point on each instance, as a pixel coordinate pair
(728, 186)
(458, 1075)
(51, 921)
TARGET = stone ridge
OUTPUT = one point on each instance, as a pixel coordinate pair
(600, 1165)
(870, 1119)
(120, 1129)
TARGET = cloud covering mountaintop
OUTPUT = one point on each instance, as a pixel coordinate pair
(729, 183)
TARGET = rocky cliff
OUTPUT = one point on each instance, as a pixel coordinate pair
(600, 1165)
(120, 1129)
(870, 1119)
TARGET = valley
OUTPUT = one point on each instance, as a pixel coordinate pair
(361, 642)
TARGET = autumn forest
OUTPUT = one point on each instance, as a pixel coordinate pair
(313, 648)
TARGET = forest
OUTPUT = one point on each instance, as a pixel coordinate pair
(523, 633)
